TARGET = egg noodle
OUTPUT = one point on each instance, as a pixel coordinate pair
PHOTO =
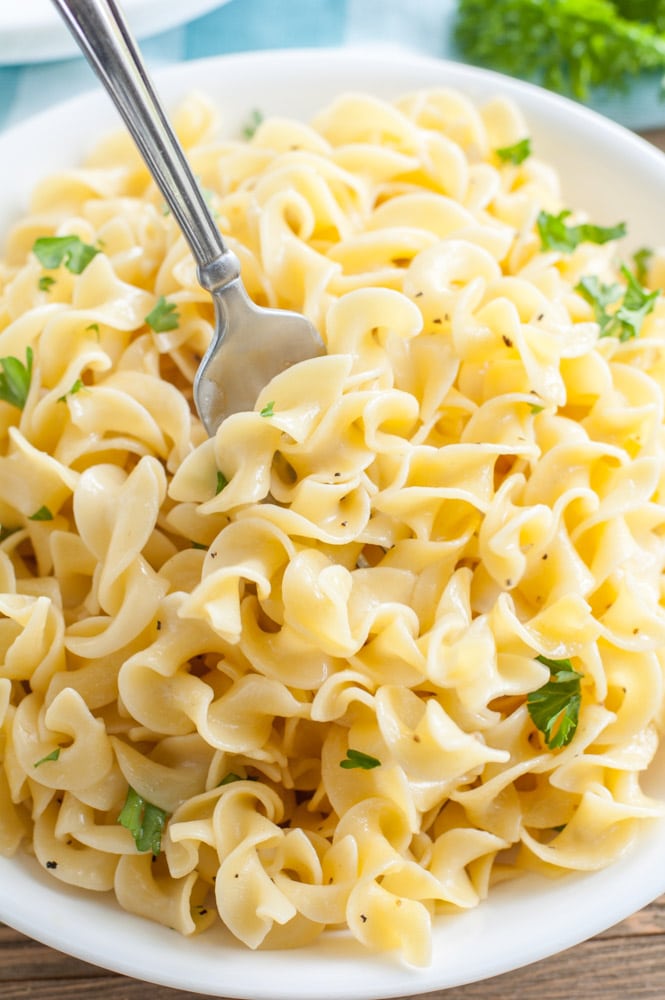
(392, 637)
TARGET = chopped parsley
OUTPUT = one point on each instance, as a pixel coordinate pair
(164, 316)
(144, 821)
(356, 758)
(555, 234)
(555, 707)
(43, 514)
(253, 122)
(53, 755)
(269, 409)
(517, 153)
(642, 260)
(222, 481)
(45, 282)
(15, 379)
(625, 322)
(76, 387)
(53, 251)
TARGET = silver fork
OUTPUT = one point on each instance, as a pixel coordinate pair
(250, 345)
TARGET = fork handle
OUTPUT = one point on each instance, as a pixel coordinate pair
(105, 39)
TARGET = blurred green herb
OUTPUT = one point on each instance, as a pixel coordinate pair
(567, 45)
(517, 153)
(253, 122)
(43, 514)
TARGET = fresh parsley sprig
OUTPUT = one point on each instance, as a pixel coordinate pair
(568, 45)
(624, 322)
(556, 234)
(555, 707)
(144, 821)
(15, 379)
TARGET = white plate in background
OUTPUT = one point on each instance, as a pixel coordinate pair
(617, 177)
(33, 31)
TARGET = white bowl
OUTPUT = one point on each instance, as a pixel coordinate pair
(32, 30)
(605, 169)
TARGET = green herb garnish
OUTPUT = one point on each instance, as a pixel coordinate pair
(517, 153)
(144, 821)
(76, 387)
(555, 707)
(15, 379)
(52, 251)
(567, 45)
(556, 235)
(253, 122)
(45, 282)
(626, 321)
(222, 481)
(53, 755)
(268, 410)
(43, 514)
(356, 758)
(642, 259)
(164, 316)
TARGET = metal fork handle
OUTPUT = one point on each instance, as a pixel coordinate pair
(103, 35)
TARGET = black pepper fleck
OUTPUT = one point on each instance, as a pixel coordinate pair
(51, 864)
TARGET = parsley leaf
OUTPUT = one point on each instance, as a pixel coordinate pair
(356, 758)
(76, 387)
(555, 707)
(53, 755)
(222, 481)
(556, 235)
(15, 379)
(642, 259)
(229, 778)
(268, 410)
(45, 282)
(43, 514)
(626, 321)
(164, 316)
(52, 251)
(517, 153)
(144, 821)
(253, 122)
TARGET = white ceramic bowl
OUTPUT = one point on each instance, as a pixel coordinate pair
(32, 30)
(604, 169)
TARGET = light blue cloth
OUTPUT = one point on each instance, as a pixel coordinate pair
(240, 25)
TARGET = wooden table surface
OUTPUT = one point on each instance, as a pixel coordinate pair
(626, 962)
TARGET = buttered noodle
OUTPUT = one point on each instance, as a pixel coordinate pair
(372, 561)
